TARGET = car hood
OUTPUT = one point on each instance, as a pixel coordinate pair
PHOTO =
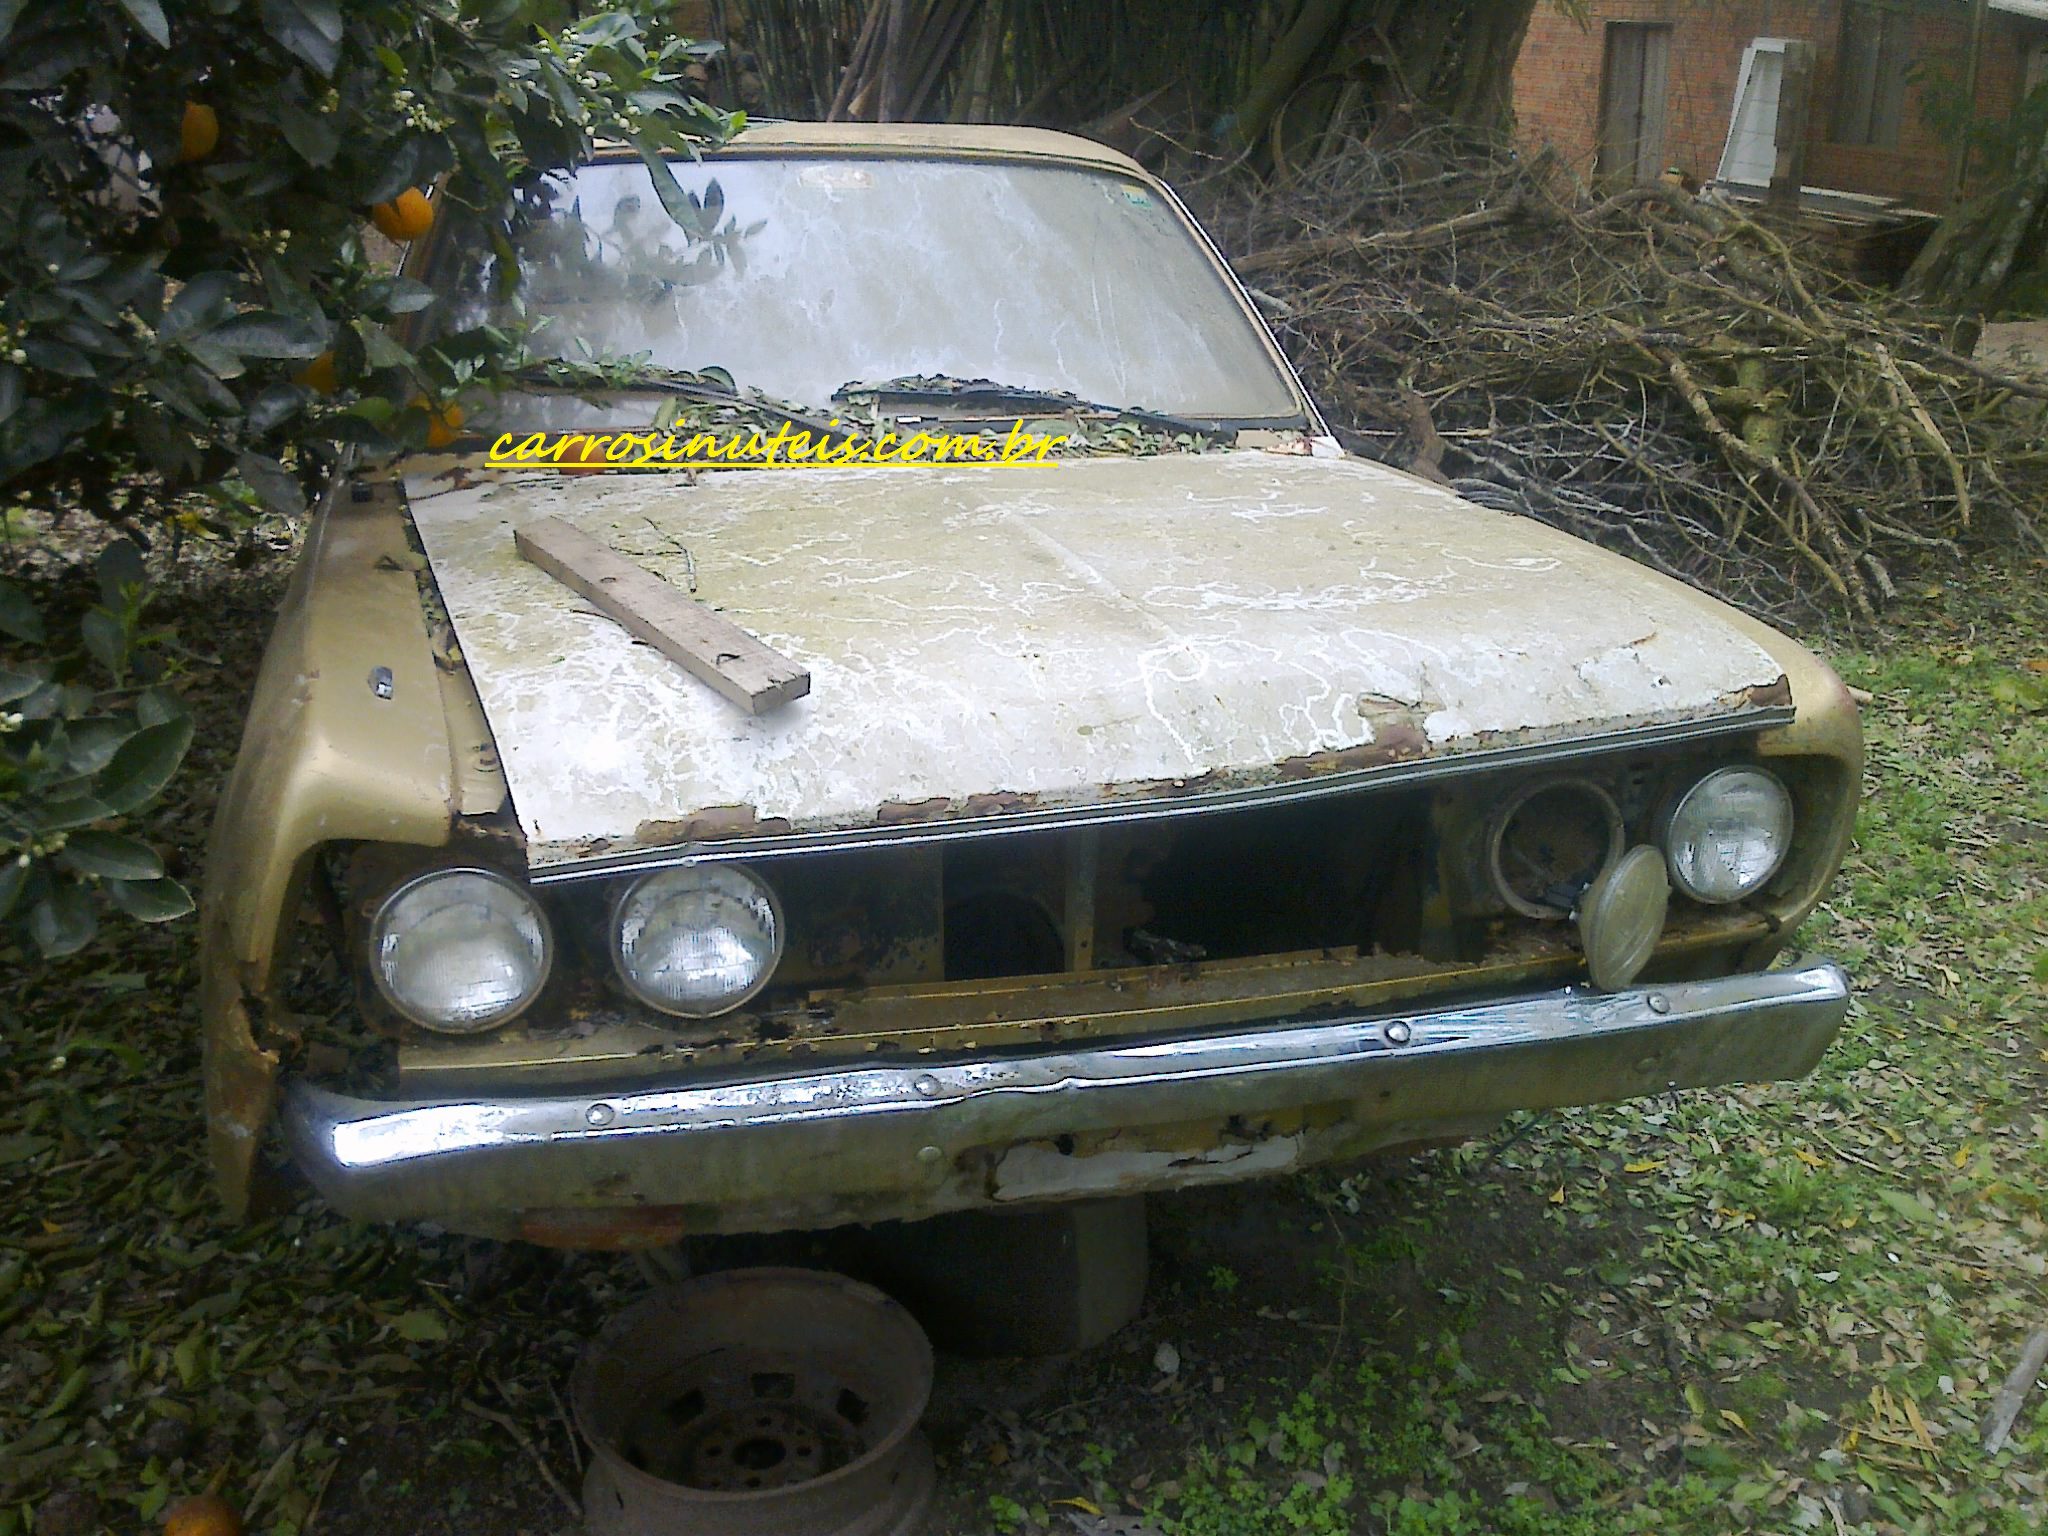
(988, 640)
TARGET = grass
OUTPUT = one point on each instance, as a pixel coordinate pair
(1777, 1308)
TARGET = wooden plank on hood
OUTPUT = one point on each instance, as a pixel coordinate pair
(705, 644)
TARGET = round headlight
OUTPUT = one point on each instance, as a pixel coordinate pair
(460, 950)
(698, 940)
(1728, 834)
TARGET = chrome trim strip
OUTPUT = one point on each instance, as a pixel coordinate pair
(1354, 781)
(812, 1146)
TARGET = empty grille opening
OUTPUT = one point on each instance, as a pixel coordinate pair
(1000, 933)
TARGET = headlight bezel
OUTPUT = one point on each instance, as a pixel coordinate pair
(670, 1007)
(1669, 827)
(409, 886)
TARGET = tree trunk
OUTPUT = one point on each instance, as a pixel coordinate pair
(1991, 247)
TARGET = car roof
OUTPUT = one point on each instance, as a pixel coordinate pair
(995, 141)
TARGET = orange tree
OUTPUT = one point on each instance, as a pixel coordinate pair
(189, 320)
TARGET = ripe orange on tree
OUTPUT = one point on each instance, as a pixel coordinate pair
(319, 375)
(443, 424)
(406, 217)
(199, 132)
(204, 1514)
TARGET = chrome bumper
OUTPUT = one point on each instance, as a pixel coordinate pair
(867, 1142)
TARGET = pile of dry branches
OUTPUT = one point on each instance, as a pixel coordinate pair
(1652, 370)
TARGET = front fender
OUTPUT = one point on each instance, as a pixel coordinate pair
(329, 752)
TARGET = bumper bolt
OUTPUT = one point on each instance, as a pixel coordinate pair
(1397, 1033)
(926, 1085)
(929, 1155)
(599, 1114)
(1658, 1002)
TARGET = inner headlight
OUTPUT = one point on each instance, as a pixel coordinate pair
(460, 950)
(1729, 834)
(698, 940)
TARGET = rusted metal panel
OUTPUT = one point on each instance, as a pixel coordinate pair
(1062, 635)
(348, 737)
(1013, 1012)
(824, 1146)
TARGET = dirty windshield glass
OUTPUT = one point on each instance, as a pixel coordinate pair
(799, 276)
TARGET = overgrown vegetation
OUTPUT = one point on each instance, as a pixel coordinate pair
(1651, 370)
(1259, 82)
(191, 323)
(1990, 255)
(1747, 1310)
(88, 736)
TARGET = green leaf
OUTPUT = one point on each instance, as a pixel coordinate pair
(19, 618)
(1910, 1206)
(62, 923)
(316, 136)
(420, 1326)
(89, 745)
(149, 16)
(144, 765)
(150, 901)
(156, 705)
(56, 357)
(264, 333)
(106, 641)
(119, 568)
(197, 304)
(379, 349)
(70, 811)
(397, 296)
(13, 880)
(309, 28)
(111, 856)
(277, 489)
(678, 203)
(19, 685)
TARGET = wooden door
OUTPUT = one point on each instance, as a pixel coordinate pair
(1633, 82)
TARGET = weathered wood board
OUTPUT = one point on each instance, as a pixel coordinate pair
(703, 643)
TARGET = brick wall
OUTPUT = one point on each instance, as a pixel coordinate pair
(1557, 85)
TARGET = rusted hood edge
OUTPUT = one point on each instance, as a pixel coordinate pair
(733, 832)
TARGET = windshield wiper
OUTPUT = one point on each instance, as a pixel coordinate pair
(943, 389)
(578, 378)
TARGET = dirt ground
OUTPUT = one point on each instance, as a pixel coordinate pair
(1780, 1308)
(2018, 344)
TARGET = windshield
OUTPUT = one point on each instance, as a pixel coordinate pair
(798, 277)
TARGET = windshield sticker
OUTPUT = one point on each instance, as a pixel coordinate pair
(1137, 197)
(791, 447)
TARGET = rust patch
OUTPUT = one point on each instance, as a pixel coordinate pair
(713, 823)
(997, 804)
(616, 1229)
(895, 813)
(1769, 695)
(1141, 789)
(1397, 743)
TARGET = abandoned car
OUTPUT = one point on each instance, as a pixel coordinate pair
(1195, 803)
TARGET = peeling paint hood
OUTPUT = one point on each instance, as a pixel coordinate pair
(987, 638)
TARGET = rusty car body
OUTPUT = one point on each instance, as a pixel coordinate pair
(1154, 818)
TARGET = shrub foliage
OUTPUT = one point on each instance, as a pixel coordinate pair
(190, 321)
